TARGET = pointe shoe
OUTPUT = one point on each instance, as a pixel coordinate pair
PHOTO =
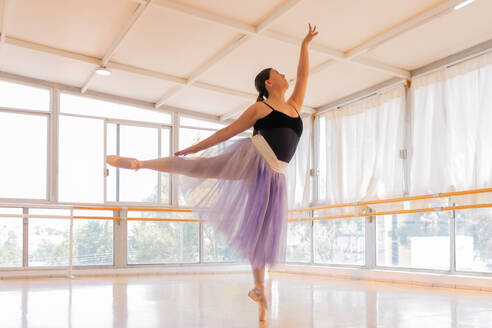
(258, 296)
(124, 162)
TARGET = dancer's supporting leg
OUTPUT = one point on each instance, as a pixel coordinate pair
(258, 293)
(259, 277)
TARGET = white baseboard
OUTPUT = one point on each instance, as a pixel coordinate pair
(476, 283)
(86, 272)
(387, 276)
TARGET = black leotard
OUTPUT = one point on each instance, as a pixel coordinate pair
(281, 131)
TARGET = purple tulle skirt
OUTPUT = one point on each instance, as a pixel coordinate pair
(240, 187)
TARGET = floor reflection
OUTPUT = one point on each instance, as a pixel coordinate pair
(220, 300)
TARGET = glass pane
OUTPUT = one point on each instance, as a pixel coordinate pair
(200, 123)
(474, 240)
(88, 106)
(11, 238)
(23, 141)
(189, 137)
(49, 211)
(140, 186)
(215, 248)
(339, 241)
(81, 160)
(299, 241)
(165, 177)
(48, 242)
(111, 150)
(419, 240)
(152, 242)
(24, 97)
(93, 240)
(322, 158)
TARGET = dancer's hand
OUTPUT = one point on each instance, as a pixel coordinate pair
(186, 151)
(311, 34)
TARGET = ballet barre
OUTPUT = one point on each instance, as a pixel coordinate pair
(401, 199)
(363, 206)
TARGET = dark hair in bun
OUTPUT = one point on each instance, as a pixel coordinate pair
(260, 83)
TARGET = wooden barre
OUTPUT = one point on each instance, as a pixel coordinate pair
(400, 199)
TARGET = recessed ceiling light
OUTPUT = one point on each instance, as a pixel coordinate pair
(103, 71)
(464, 3)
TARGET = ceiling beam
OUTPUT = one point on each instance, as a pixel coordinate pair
(203, 68)
(195, 75)
(410, 24)
(380, 87)
(248, 29)
(340, 55)
(5, 10)
(232, 92)
(442, 9)
(467, 54)
(102, 96)
(454, 59)
(231, 114)
(123, 67)
(204, 15)
(278, 13)
(117, 41)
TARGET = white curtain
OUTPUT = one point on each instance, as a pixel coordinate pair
(359, 148)
(297, 173)
(451, 133)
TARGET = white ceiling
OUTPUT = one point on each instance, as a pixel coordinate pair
(212, 45)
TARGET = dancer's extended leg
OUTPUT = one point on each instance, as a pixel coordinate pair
(210, 167)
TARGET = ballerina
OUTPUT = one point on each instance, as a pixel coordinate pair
(241, 188)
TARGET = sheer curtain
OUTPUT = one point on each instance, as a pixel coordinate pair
(451, 130)
(297, 173)
(360, 149)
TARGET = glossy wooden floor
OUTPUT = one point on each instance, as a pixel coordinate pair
(220, 300)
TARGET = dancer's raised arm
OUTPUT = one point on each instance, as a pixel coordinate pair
(244, 122)
(297, 97)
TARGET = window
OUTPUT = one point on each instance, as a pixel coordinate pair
(339, 241)
(138, 142)
(299, 241)
(23, 145)
(419, 240)
(92, 239)
(48, 239)
(474, 240)
(24, 97)
(194, 122)
(152, 242)
(165, 178)
(215, 248)
(88, 106)
(200, 123)
(11, 238)
(81, 160)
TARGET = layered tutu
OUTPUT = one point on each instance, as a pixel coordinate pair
(239, 187)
